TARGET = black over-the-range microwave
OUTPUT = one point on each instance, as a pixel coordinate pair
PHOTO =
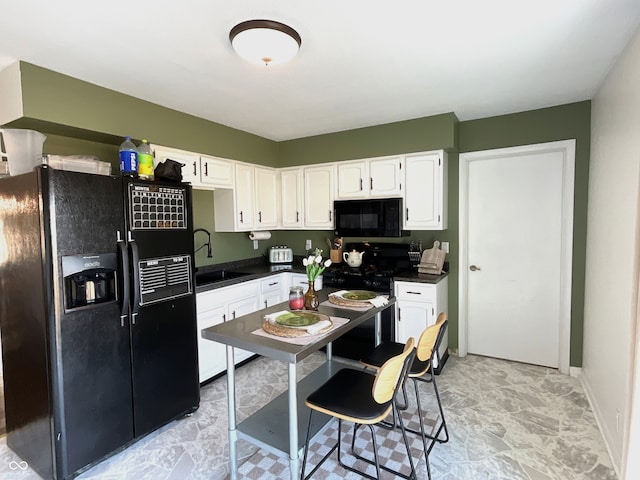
(381, 217)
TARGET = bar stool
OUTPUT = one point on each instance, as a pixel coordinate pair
(427, 349)
(364, 399)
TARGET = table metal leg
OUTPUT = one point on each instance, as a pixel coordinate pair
(231, 410)
(293, 423)
(378, 328)
(329, 351)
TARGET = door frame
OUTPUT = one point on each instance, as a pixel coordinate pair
(567, 148)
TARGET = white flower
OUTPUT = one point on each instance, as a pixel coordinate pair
(318, 259)
(327, 263)
(305, 262)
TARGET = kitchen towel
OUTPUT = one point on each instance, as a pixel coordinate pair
(259, 235)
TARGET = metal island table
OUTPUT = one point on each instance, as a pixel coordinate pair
(266, 428)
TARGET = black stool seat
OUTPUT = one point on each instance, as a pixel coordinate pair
(386, 350)
(348, 395)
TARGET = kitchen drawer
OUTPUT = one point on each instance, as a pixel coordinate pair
(415, 291)
(271, 284)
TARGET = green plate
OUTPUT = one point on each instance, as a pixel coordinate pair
(359, 295)
(299, 319)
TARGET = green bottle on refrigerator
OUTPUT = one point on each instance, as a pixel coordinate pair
(145, 161)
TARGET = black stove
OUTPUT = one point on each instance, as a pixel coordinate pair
(380, 262)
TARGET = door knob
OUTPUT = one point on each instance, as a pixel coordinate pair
(473, 268)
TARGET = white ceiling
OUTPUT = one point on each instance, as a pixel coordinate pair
(362, 62)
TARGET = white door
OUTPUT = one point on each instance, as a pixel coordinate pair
(516, 232)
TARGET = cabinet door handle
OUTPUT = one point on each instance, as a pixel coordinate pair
(399, 314)
(371, 183)
(272, 284)
(241, 219)
(473, 268)
(360, 184)
(234, 314)
(407, 213)
(206, 169)
(297, 216)
(260, 216)
(224, 317)
(414, 293)
(265, 304)
(194, 169)
(330, 215)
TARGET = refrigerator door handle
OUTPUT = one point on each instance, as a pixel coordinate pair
(135, 258)
(126, 284)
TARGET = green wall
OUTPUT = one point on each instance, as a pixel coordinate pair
(538, 126)
(417, 135)
(62, 105)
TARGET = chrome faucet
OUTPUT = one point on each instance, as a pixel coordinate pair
(208, 244)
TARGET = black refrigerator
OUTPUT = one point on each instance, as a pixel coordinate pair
(97, 314)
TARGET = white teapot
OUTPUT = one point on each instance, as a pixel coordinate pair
(353, 258)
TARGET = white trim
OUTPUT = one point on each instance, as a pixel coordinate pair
(597, 414)
(575, 372)
(567, 147)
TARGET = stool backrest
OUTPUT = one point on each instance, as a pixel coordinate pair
(389, 376)
(428, 338)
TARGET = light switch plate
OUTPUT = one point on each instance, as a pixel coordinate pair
(307, 245)
(445, 247)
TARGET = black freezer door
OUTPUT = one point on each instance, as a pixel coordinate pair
(90, 344)
(163, 316)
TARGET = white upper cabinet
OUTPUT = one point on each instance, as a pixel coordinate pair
(253, 203)
(353, 180)
(291, 197)
(385, 177)
(372, 178)
(216, 172)
(318, 196)
(234, 208)
(267, 197)
(190, 162)
(425, 200)
(203, 172)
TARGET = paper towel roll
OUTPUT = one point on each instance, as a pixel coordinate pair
(260, 235)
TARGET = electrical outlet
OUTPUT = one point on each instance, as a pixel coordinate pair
(307, 245)
(445, 247)
(255, 244)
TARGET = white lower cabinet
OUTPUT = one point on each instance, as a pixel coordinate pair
(301, 280)
(211, 355)
(417, 307)
(217, 306)
(223, 304)
(274, 290)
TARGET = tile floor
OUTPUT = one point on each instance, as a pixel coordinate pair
(507, 421)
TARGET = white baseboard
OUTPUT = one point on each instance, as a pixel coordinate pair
(575, 371)
(606, 435)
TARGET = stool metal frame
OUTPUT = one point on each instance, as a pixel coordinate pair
(427, 349)
(364, 399)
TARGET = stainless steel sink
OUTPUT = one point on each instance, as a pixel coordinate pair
(217, 276)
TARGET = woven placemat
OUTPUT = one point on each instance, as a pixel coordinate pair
(289, 332)
(345, 302)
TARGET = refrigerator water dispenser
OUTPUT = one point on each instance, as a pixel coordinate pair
(89, 280)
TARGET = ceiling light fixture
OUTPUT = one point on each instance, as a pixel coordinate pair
(265, 41)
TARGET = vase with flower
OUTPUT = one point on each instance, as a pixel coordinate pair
(314, 267)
